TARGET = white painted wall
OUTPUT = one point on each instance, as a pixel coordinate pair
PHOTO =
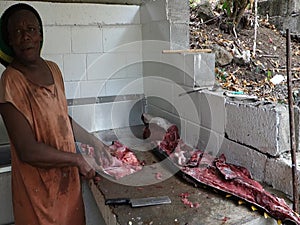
(93, 44)
(98, 49)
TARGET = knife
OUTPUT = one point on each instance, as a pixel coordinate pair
(139, 202)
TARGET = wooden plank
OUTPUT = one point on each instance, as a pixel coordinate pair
(187, 51)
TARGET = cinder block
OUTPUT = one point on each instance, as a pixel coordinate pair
(83, 43)
(124, 86)
(92, 88)
(166, 21)
(213, 113)
(178, 11)
(244, 156)
(159, 93)
(263, 127)
(134, 64)
(85, 116)
(153, 11)
(278, 173)
(57, 40)
(179, 35)
(156, 30)
(209, 141)
(72, 90)
(106, 116)
(74, 67)
(115, 37)
(172, 67)
(88, 14)
(106, 66)
(117, 114)
(185, 105)
(200, 67)
(6, 208)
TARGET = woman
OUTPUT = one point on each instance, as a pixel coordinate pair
(45, 169)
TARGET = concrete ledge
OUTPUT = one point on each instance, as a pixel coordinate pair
(108, 216)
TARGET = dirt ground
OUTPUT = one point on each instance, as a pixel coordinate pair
(270, 58)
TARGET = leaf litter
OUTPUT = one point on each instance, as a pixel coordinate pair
(255, 77)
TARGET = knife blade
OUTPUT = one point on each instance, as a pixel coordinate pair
(139, 202)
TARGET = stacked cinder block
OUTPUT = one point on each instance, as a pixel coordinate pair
(250, 134)
(258, 137)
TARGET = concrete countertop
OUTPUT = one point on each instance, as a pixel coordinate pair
(214, 208)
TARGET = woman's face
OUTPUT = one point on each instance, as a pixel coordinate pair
(24, 36)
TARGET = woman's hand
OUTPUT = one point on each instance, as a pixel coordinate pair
(87, 166)
(103, 156)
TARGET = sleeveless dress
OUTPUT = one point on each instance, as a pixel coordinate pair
(43, 196)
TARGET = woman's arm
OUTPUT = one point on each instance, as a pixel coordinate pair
(103, 155)
(36, 153)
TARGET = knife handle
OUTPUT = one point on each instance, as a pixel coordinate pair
(117, 201)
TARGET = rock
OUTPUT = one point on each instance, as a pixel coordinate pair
(205, 10)
(222, 56)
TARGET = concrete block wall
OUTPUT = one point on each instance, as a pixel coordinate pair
(166, 21)
(253, 135)
(264, 127)
(167, 78)
(99, 48)
(273, 171)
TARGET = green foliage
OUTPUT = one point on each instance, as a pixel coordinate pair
(222, 75)
(269, 74)
(227, 6)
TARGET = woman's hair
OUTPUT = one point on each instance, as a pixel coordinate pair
(10, 11)
(6, 52)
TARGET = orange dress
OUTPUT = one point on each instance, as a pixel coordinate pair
(43, 196)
